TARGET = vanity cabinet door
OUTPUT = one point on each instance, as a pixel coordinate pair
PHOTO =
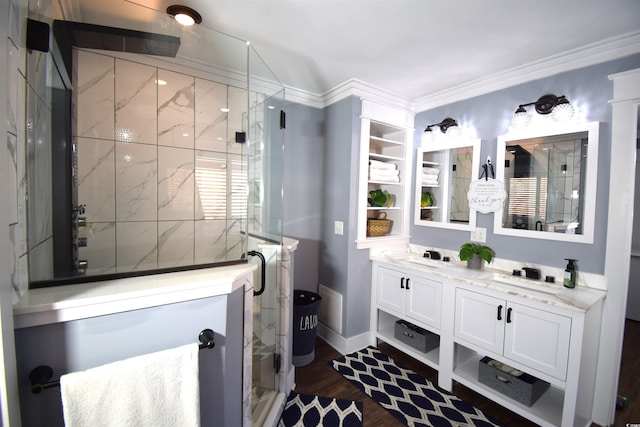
(533, 337)
(409, 296)
(391, 289)
(538, 339)
(424, 300)
(479, 319)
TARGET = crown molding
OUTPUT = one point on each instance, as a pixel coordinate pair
(592, 54)
(355, 87)
(304, 97)
(351, 87)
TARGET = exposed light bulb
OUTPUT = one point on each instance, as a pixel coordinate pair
(520, 119)
(454, 131)
(427, 137)
(562, 112)
(184, 19)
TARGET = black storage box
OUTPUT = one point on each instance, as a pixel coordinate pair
(415, 336)
(523, 388)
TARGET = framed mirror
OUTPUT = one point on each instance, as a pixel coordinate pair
(444, 171)
(550, 179)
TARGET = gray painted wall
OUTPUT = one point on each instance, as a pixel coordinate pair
(82, 344)
(344, 268)
(590, 89)
(304, 190)
(321, 158)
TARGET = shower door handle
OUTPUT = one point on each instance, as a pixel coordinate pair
(263, 278)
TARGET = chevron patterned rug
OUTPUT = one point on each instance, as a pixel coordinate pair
(307, 410)
(412, 399)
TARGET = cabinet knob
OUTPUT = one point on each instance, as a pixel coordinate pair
(407, 285)
(509, 315)
(500, 312)
(402, 283)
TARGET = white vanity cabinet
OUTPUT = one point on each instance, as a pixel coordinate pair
(534, 332)
(410, 295)
(536, 338)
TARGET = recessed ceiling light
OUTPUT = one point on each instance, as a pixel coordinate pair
(224, 109)
(184, 15)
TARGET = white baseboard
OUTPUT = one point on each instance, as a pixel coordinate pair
(341, 344)
(290, 381)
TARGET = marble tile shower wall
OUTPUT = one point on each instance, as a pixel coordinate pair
(14, 140)
(162, 179)
(28, 134)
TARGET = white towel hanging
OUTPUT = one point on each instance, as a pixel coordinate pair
(155, 390)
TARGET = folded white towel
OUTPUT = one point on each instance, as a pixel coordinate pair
(157, 389)
(429, 176)
(389, 179)
(434, 171)
(377, 164)
(384, 172)
(430, 182)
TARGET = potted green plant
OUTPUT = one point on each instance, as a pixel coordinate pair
(379, 198)
(475, 253)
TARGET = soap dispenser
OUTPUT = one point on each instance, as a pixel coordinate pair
(570, 274)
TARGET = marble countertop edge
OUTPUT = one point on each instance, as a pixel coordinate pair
(108, 297)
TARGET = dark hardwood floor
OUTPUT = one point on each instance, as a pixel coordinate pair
(629, 385)
(319, 378)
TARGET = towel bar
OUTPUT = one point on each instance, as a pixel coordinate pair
(40, 375)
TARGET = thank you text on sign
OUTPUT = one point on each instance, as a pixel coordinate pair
(486, 195)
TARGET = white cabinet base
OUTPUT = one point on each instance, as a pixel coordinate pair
(551, 342)
(546, 411)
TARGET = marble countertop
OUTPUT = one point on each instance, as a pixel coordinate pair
(72, 302)
(580, 298)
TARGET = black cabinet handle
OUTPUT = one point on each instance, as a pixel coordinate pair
(407, 283)
(402, 283)
(509, 315)
(500, 312)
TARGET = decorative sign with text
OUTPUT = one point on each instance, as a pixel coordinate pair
(486, 195)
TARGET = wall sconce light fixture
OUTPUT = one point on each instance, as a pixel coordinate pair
(558, 106)
(184, 15)
(448, 126)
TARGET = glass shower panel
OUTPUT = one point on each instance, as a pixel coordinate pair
(265, 159)
(159, 180)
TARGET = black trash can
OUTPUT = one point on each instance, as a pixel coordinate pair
(305, 326)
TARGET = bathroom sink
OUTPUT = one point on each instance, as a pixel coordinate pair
(408, 259)
(534, 285)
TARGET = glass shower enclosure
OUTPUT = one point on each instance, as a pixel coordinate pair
(175, 161)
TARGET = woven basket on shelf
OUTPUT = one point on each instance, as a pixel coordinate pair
(378, 227)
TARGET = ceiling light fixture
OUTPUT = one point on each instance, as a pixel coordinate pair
(448, 126)
(558, 106)
(184, 15)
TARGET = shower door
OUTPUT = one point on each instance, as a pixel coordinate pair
(265, 180)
